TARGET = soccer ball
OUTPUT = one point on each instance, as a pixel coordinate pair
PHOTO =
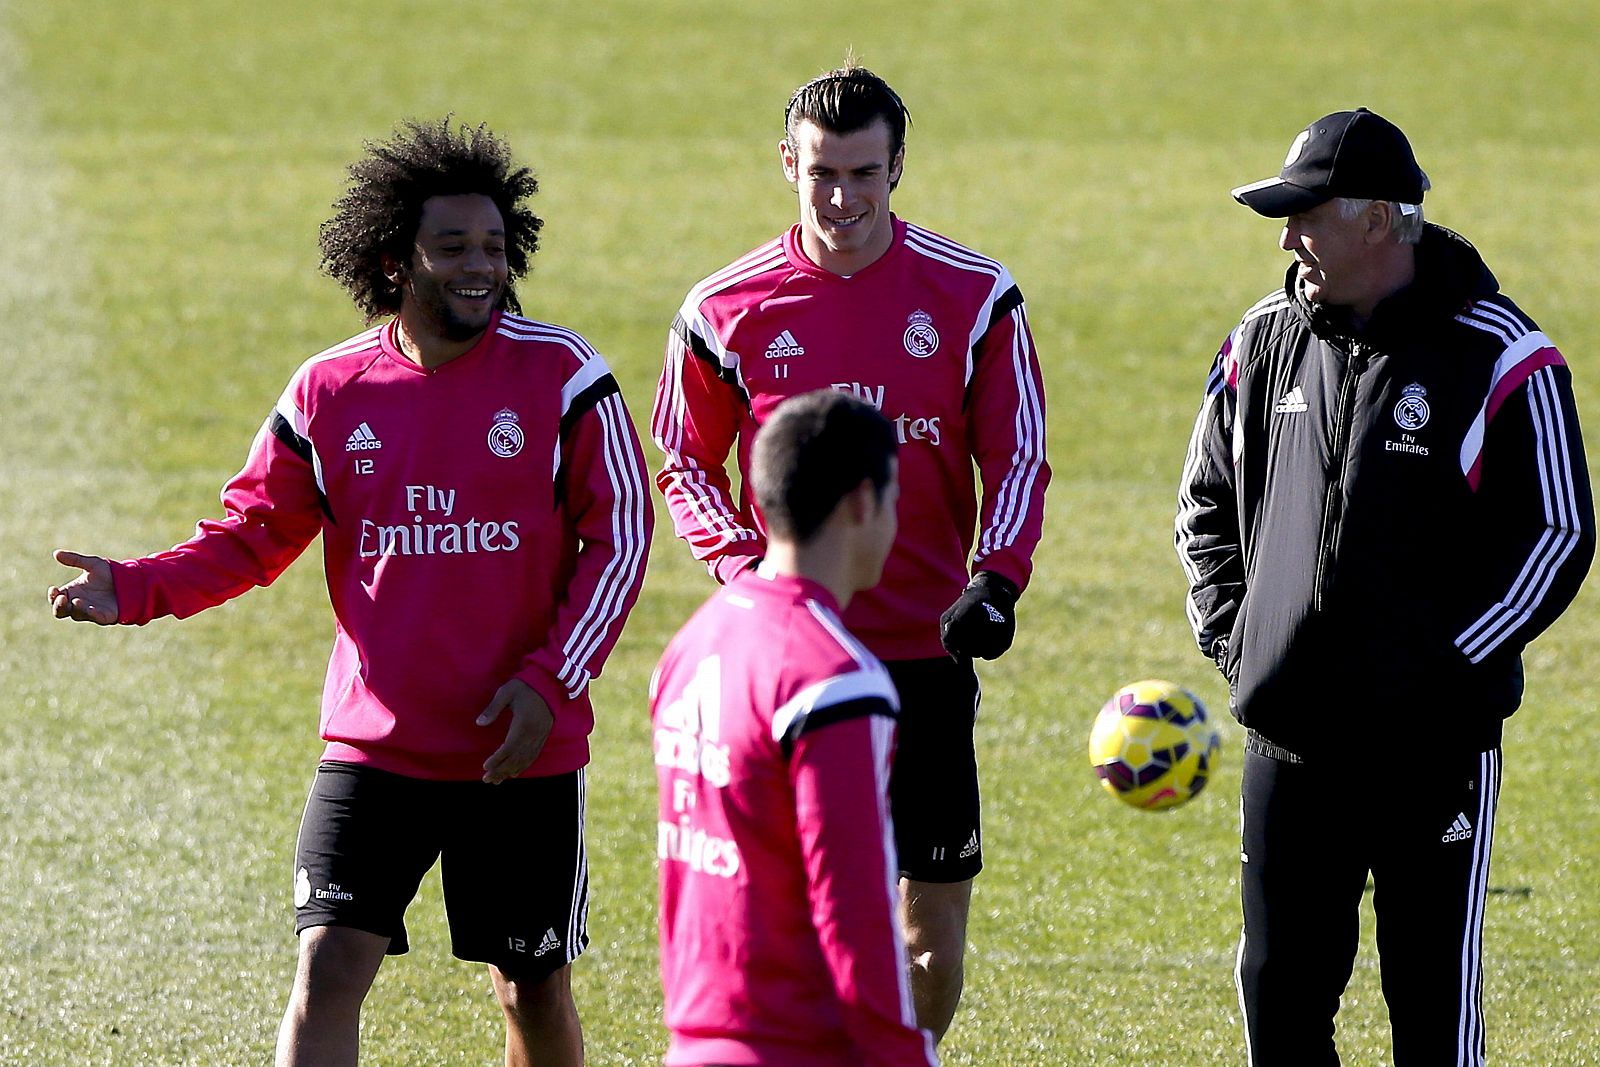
(1153, 745)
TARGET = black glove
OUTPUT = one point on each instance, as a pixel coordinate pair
(983, 620)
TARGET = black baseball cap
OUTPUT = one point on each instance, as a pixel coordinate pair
(1357, 154)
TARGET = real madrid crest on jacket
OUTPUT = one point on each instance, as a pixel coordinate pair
(1384, 517)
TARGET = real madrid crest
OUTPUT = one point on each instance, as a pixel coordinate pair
(922, 340)
(505, 436)
(1411, 413)
(1296, 148)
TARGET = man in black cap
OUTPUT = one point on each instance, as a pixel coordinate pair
(1384, 500)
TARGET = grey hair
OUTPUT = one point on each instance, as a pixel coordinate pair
(1407, 217)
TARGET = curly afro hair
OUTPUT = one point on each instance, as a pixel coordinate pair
(381, 210)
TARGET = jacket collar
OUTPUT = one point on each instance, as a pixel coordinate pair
(1450, 275)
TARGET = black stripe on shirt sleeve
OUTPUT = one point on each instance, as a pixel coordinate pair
(585, 402)
(817, 718)
(701, 350)
(284, 432)
(1009, 301)
(300, 446)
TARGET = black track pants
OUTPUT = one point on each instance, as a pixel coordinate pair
(1311, 836)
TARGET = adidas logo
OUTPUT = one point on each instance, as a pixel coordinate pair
(970, 849)
(362, 439)
(549, 943)
(1460, 830)
(1294, 400)
(784, 346)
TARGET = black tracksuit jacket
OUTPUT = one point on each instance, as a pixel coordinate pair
(1374, 522)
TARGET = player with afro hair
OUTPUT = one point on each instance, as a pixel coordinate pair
(456, 705)
(379, 214)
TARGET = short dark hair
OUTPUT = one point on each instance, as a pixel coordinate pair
(845, 100)
(380, 212)
(815, 449)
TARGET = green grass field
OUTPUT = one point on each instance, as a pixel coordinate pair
(163, 168)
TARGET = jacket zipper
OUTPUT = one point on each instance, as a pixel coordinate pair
(1341, 458)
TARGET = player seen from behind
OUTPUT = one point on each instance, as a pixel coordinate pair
(774, 729)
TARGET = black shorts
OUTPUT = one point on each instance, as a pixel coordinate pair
(514, 869)
(933, 789)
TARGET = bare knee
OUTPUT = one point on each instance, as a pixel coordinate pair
(534, 1004)
(541, 1020)
(938, 974)
(336, 967)
(933, 917)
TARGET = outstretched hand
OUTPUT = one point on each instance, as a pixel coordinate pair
(91, 596)
(531, 721)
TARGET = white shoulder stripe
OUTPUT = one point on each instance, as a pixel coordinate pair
(367, 340)
(701, 327)
(1486, 327)
(989, 267)
(286, 406)
(952, 248)
(1494, 319)
(1003, 284)
(840, 689)
(586, 375)
(556, 335)
(520, 329)
(846, 639)
(768, 257)
(1266, 306)
(1492, 313)
(292, 414)
(289, 408)
(517, 322)
(760, 253)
